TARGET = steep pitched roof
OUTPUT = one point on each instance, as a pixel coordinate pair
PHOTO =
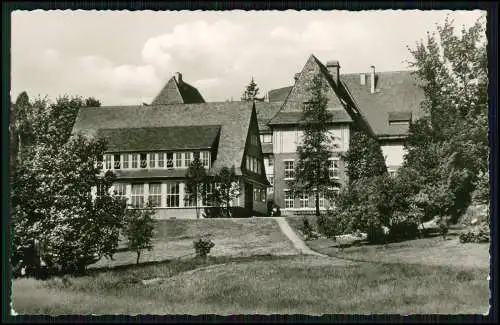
(265, 111)
(178, 92)
(397, 95)
(232, 117)
(279, 95)
(290, 118)
(160, 138)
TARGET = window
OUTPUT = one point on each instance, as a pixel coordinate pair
(155, 194)
(392, 172)
(196, 155)
(144, 160)
(289, 171)
(120, 189)
(288, 199)
(189, 199)
(107, 161)
(271, 180)
(137, 195)
(187, 159)
(178, 159)
(304, 200)
(170, 160)
(267, 138)
(259, 195)
(116, 163)
(152, 160)
(173, 194)
(399, 122)
(126, 161)
(205, 159)
(333, 168)
(321, 200)
(207, 198)
(270, 162)
(161, 160)
(254, 139)
(135, 160)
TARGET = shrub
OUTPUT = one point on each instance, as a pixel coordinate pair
(332, 224)
(402, 227)
(202, 247)
(139, 227)
(478, 234)
(308, 230)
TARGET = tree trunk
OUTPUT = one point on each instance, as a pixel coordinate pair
(138, 257)
(317, 203)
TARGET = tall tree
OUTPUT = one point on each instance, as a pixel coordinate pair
(312, 170)
(225, 188)
(448, 147)
(251, 92)
(196, 179)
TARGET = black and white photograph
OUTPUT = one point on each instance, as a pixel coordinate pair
(249, 162)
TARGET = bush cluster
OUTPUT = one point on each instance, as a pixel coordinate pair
(479, 234)
(202, 246)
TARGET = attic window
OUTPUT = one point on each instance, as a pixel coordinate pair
(399, 122)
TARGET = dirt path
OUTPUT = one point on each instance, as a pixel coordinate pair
(297, 242)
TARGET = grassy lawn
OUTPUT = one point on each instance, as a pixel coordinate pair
(264, 285)
(232, 237)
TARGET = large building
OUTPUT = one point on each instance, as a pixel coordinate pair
(381, 103)
(151, 146)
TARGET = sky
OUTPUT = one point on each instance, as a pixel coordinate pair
(126, 57)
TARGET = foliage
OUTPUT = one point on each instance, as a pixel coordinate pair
(307, 229)
(92, 102)
(225, 188)
(138, 229)
(51, 191)
(196, 182)
(448, 147)
(311, 171)
(202, 246)
(478, 234)
(251, 92)
(365, 205)
(364, 158)
(331, 224)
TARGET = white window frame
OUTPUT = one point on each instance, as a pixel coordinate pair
(205, 159)
(125, 161)
(137, 161)
(117, 163)
(333, 170)
(153, 157)
(173, 195)
(161, 163)
(121, 194)
(178, 158)
(188, 159)
(303, 200)
(289, 170)
(267, 136)
(289, 200)
(155, 195)
(139, 195)
(108, 161)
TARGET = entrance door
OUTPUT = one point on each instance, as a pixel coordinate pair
(249, 197)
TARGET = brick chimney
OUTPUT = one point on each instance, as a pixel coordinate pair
(372, 79)
(333, 67)
(178, 77)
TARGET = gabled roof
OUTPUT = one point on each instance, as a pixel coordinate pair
(160, 138)
(397, 94)
(232, 117)
(293, 118)
(265, 111)
(178, 92)
(279, 95)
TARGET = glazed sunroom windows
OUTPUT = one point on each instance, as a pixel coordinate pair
(155, 160)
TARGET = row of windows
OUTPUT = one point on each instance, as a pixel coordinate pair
(153, 160)
(332, 168)
(254, 139)
(305, 200)
(253, 164)
(172, 196)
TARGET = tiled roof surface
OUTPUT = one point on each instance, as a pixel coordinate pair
(178, 93)
(396, 91)
(279, 95)
(265, 111)
(160, 138)
(282, 118)
(233, 118)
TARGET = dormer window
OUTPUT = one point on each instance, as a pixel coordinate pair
(267, 138)
(399, 118)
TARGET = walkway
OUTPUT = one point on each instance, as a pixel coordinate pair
(296, 241)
